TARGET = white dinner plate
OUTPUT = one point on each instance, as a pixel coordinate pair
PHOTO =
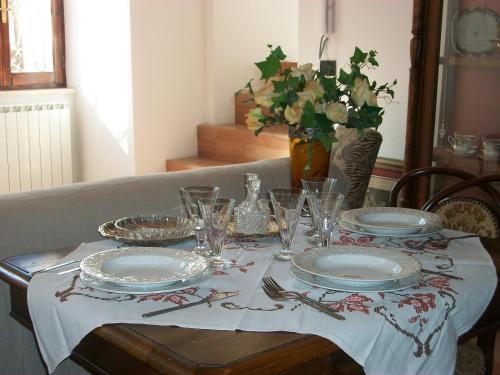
(356, 265)
(422, 232)
(143, 265)
(145, 289)
(391, 220)
(326, 283)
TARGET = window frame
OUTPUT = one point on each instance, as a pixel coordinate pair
(41, 80)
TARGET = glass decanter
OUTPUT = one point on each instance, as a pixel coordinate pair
(252, 215)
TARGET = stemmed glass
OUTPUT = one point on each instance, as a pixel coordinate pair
(191, 196)
(328, 208)
(217, 215)
(287, 205)
(316, 187)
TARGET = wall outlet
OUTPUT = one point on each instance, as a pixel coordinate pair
(328, 67)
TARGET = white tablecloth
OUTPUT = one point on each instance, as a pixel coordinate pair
(405, 332)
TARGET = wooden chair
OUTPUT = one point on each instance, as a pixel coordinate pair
(460, 211)
(474, 215)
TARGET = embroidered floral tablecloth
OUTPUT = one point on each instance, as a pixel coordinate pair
(405, 332)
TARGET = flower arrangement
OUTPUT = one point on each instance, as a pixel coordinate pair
(311, 103)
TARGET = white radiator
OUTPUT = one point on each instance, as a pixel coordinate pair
(35, 146)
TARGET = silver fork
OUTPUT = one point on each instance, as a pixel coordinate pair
(271, 287)
(271, 283)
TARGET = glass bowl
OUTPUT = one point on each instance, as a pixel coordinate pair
(153, 227)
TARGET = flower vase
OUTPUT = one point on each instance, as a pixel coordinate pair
(352, 160)
(308, 158)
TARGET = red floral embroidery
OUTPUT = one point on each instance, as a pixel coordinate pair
(178, 297)
(346, 239)
(219, 273)
(352, 303)
(174, 298)
(440, 282)
(420, 302)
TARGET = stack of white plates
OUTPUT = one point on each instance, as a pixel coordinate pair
(356, 269)
(143, 270)
(391, 221)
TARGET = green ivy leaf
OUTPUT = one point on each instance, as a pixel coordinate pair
(249, 87)
(258, 131)
(279, 101)
(326, 139)
(293, 83)
(291, 97)
(280, 86)
(323, 123)
(358, 57)
(308, 119)
(343, 77)
(372, 61)
(278, 53)
(269, 67)
(330, 86)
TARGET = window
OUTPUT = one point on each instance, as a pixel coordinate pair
(31, 44)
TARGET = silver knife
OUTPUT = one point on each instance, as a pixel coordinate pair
(210, 298)
(55, 266)
(442, 274)
(69, 271)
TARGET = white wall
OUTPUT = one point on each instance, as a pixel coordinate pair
(310, 29)
(168, 75)
(385, 26)
(237, 33)
(148, 72)
(98, 67)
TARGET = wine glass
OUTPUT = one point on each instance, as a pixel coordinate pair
(328, 208)
(216, 215)
(287, 205)
(191, 196)
(315, 187)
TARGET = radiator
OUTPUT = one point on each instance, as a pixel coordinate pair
(35, 146)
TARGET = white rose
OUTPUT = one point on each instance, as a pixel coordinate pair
(253, 117)
(293, 114)
(264, 95)
(316, 88)
(336, 112)
(360, 91)
(305, 96)
(303, 70)
(372, 100)
(319, 107)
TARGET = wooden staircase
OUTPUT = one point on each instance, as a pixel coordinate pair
(234, 143)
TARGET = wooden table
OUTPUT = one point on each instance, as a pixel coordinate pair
(147, 349)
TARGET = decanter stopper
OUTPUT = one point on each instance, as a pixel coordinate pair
(252, 215)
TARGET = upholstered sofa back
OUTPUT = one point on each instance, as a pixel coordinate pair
(66, 216)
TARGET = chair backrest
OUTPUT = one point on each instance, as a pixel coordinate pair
(468, 214)
(464, 213)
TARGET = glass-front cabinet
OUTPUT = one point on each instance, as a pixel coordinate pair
(467, 119)
(454, 94)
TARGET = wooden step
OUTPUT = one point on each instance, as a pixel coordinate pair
(192, 163)
(235, 143)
